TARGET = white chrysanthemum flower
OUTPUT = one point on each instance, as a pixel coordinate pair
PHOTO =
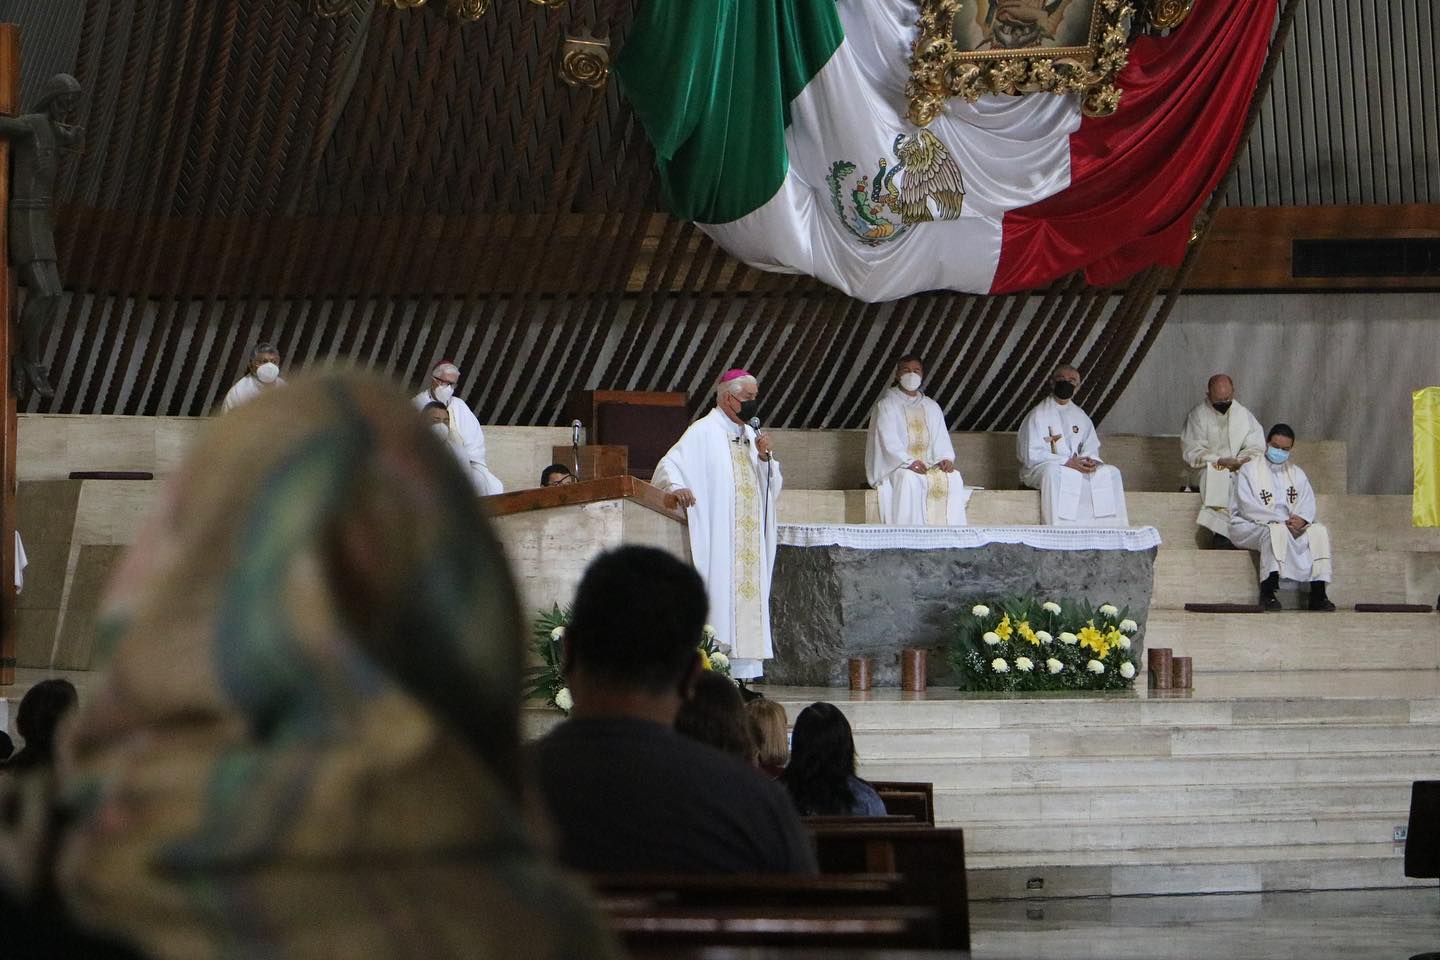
(1095, 666)
(1069, 639)
(999, 665)
(1054, 666)
(1127, 670)
(710, 633)
(1109, 610)
(1050, 606)
(980, 610)
(1024, 664)
(557, 633)
(1129, 626)
(563, 700)
(991, 638)
(1123, 643)
(1043, 637)
(719, 661)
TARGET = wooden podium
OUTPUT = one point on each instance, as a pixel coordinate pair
(551, 534)
(646, 422)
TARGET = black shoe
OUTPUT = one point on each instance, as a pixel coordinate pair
(747, 695)
(1318, 600)
(1268, 586)
(1270, 602)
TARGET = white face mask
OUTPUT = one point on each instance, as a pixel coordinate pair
(911, 381)
(444, 392)
(267, 372)
(441, 430)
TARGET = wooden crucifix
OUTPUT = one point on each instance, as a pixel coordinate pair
(1053, 439)
(9, 107)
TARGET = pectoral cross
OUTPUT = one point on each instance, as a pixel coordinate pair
(1053, 439)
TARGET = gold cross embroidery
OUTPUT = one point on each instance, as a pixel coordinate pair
(1053, 439)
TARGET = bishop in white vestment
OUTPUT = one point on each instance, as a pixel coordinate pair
(727, 477)
(1219, 438)
(1059, 453)
(1273, 511)
(909, 458)
(465, 435)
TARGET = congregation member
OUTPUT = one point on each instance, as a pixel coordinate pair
(262, 375)
(724, 473)
(464, 431)
(768, 730)
(556, 475)
(909, 459)
(715, 715)
(306, 743)
(1219, 438)
(1059, 453)
(821, 773)
(1273, 511)
(627, 793)
(42, 710)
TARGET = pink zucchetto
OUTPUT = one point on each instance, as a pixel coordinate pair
(735, 374)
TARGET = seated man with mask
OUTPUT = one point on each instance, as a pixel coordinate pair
(1272, 510)
(909, 458)
(263, 374)
(463, 426)
(1059, 454)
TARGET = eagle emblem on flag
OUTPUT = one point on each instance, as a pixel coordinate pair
(923, 185)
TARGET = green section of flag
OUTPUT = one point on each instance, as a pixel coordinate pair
(712, 81)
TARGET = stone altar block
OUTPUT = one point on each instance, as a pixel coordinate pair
(551, 534)
(846, 591)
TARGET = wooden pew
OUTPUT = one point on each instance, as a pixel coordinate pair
(908, 799)
(880, 927)
(931, 860)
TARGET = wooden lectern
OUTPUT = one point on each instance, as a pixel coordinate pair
(551, 534)
(647, 422)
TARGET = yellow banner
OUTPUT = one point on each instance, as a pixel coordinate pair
(1427, 457)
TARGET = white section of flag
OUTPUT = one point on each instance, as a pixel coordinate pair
(1012, 152)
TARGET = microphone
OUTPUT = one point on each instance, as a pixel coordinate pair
(755, 424)
(575, 433)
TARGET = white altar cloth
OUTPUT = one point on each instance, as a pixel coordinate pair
(879, 537)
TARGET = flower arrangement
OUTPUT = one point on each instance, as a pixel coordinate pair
(546, 680)
(1023, 643)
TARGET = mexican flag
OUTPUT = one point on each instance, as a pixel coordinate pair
(779, 127)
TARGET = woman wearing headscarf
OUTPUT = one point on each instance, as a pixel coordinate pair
(307, 740)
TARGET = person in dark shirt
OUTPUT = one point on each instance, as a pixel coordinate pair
(821, 773)
(627, 793)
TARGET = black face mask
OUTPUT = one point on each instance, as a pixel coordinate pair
(749, 409)
(1223, 407)
(1063, 389)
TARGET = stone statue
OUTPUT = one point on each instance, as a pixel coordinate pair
(35, 141)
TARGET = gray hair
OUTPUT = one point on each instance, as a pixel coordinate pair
(732, 387)
(265, 347)
(446, 367)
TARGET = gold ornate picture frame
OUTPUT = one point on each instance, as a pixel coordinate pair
(968, 48)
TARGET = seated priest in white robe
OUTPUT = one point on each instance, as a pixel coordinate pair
(464, 433)
(1272, 511)
(1219, 438)
(909, 458)
(1059, 454)
(726, 476)
(263, 374)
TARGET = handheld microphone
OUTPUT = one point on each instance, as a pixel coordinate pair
(575, 433)
(755, 424)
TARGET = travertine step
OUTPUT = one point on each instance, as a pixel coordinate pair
(1299, 640)
(1111, 773)
(1235, 869)
(1188, 741)
(1232, 576)
(1193, 800)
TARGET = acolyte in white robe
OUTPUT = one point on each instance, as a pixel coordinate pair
(732, 531)
(468, 442)
(1051, 434)
(1210, 436)
(904, 429)
(1264, 497)
(247, 388)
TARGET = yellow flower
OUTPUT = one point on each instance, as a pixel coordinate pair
(1027, 634)
(1113, 637)
(705, 660)
(1094, 639)
(1004, 629)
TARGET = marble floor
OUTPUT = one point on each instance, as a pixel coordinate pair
(1343, 925)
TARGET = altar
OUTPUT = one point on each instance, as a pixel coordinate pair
(843, 591)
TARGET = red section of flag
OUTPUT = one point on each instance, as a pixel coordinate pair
(1139, 176)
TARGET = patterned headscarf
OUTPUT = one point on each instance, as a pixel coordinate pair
(306, 743)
